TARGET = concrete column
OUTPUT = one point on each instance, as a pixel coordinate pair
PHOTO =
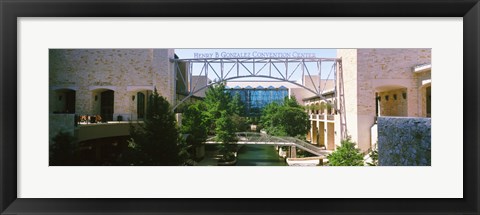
(293, 152)
(325, 135)
(309, 134)
(331, 134)
(321, 132)
(311, 131)
(412, 102)
(178, 117)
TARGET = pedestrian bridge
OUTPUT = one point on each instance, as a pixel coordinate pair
(253, 138)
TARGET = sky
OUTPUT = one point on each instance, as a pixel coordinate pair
(326, 67)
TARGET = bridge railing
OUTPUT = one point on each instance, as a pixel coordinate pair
(305, 145)
(260, 137)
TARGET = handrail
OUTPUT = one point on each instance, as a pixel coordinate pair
(265, 138)
(330, 117)
(89, 118)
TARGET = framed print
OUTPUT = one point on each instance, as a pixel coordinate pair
(101, 69)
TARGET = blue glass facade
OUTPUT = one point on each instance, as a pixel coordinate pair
(255, 99)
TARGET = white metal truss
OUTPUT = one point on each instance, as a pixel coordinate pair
(279, 69)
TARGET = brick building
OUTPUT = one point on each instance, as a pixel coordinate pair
(108, 82)
(373, 82)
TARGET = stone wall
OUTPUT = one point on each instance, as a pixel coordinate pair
(125, 71)
(404, 141)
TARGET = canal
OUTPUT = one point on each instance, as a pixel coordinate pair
(247, 155)
(259, 155)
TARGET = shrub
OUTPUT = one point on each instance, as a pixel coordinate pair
(62, 151)
(346, 155)
(374, 156)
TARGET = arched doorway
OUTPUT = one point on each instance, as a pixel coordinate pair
(64, 101)
(106, 104)
(391, 100)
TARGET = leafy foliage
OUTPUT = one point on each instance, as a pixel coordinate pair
(156, 141)
(295, 121)
(222, 114)
(289, 119)
(225, 133)
(237, 106)
(269, 120)
(62, 151)
(346, 155)
(239, 123)
(237, 111)
(194, 122)
(291, 102)
(374, 156)
(216, 100)
(194, 125)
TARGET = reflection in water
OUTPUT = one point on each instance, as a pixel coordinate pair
(259, 155)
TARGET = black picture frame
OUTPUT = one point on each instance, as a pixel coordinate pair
(10, 10)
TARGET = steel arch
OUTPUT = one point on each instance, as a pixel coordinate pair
(239, 63)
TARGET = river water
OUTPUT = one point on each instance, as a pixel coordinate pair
(259, 155)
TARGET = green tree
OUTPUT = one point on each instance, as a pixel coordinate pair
(216, 100)
(295, 120)
(237, 106)
(62, 151)
(237, 113)
(194, 124)
(239, 123)
(220, 112)
(291, 102)
(289, 119)
(225, 133)
(373, 154)
(156, 141)
(346, 155)
(268, 119)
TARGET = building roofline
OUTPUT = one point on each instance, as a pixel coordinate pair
(327, 92)
(422, 68)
